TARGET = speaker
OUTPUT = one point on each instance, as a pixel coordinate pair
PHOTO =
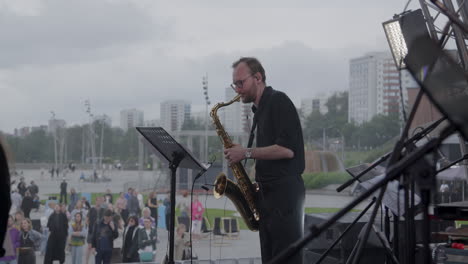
(313, 257)
(373, 249)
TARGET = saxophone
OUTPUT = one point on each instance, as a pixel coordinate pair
(241, 194)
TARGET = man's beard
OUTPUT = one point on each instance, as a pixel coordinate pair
(247, 99)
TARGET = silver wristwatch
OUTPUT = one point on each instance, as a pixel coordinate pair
(248, 153)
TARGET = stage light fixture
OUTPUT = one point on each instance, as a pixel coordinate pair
(401, 31)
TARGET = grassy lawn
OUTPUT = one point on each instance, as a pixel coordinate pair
(211, 213)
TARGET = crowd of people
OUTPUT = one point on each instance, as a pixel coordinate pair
(72, 224)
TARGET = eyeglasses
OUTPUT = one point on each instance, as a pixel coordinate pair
(240, 83)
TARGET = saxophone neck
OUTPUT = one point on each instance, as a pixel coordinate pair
(214, 110)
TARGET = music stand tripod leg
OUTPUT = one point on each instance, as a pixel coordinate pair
(322, 257)
(362, 242)
(386, 245)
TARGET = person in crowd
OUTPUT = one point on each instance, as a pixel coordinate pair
(167, 211)
(121, 206)
(16, 200)
(85, 203)
(45, 230)
(129, 193)
(183, 204)
(19, 217)
(118, 222)
(130, 241)
(58, 228)
(147, 239)
(108, 197)
(33, 189)
(104, 233)
(79, 209)
(153, 206)
(77, 231)
(133, 206)
(197, 217)
(29, 241)
(11, 243)
(22, 187)
(146, 213)
(94, 216)
(74, 197)
(63, 209)
(139, 196)
(63, 191)
(279, 159)
(181, 242)
(27, 204)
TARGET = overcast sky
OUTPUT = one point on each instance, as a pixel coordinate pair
(55, 54)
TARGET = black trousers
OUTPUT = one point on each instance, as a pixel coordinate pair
(63, 197)
(281, 207)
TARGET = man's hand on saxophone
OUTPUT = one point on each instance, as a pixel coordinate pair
(235, 154)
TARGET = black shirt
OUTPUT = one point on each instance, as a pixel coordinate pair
(278, 123)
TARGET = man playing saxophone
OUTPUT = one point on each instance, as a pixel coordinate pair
(279, 155)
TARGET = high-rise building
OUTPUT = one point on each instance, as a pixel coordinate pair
(174, 113)
(39, 128)
(236, 117)
(130, 118)
(374, 87)
(22, 132)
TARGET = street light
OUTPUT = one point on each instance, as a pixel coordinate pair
(91, 134)
(207, 101)
(324, 129)
(54, 133)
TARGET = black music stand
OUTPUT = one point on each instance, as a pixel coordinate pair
(177, 156)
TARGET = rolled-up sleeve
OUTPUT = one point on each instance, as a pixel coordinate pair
(286, 122)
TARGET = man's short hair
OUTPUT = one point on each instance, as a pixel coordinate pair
(108, 212)
(253, 64)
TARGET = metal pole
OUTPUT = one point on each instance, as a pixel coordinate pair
(207, 101)
(323, 138)
(102, 143)
(342, 147)
(54, 134)
(206, 133)
(140, 164)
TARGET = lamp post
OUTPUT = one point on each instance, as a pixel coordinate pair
(324, 135)
(207, 103)
(91, 134)
(54, 133)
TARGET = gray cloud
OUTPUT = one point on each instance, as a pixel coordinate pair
(141, 81)
(73, 32)
(136, 54)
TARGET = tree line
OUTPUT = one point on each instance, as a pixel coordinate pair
(38, 146)
(334, 124)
